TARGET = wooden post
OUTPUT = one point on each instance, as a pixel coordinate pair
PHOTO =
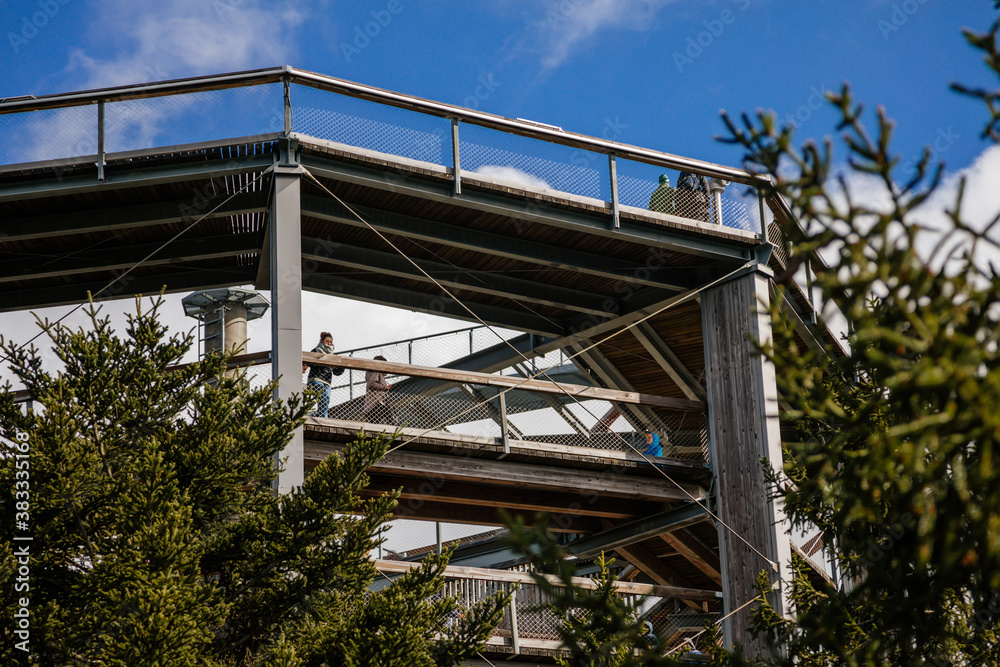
(515, 639)
(743, 429)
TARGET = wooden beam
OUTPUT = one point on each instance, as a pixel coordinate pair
(638, 530)
(586, 583)
(125, 287)
(428, 300)
(483, 495)
(447, 374)
(699, 556)
(455, 278)
(668, 361)
(499, 245)
(130, 217)
(654, 568)
(522, 475)
(116, 259)
(744, 428)
(428, 510)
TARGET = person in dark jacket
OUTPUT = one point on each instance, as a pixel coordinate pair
(321, 377)
(692, 196)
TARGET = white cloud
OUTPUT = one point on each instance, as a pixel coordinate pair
(167, 39)
(512, 175)
(177, 38)
(569, 24)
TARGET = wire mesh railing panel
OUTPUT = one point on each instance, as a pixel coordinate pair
(685, 195)
(50, 134)
(476, 411)
(637, 183)
(674, 625)
(405, 535)
(528, 163)
(741, 208)
(195, 117)
(370, 125)
(411, 538)
(482, 338)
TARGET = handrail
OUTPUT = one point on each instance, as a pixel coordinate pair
(452, 375)
(382, 96)
(627, 587)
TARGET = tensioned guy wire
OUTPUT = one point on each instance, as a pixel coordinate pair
(145, 259)
(543, 372)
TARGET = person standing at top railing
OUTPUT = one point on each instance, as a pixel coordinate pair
(662, 199)
(376, 407)
(692, 196)
(321, 377)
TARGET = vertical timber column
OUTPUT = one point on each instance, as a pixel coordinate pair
(286, 309)
(743, 429)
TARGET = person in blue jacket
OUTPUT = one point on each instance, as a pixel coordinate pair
(653, 447)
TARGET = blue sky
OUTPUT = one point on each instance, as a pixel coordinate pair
(654, 73)
(658, 71)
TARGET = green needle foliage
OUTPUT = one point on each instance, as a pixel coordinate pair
(898, 461)
(157, 539)
(598, 627)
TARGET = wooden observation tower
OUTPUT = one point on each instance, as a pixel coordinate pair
(287, 180)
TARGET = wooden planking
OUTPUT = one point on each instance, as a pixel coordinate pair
(420, 509)
(544, 453)
(478, 494)
(743, 428)
(520, 475)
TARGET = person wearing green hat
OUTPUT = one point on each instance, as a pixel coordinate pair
(662, 199)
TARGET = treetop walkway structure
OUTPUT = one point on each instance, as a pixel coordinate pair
(288, 180)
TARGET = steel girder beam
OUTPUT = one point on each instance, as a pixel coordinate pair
(657, 237)
(587, 326)
(668, 361)
(497, 244)
(137, 177)
(427, 302)
(456, 279)
(638, 416)
(91, 261)
(810, 332)
(497, 357)
(653, 567)
(566, 415)
(128, 217)
(129, 285)
(637, 531)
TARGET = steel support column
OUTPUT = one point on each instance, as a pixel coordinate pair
(286, 309)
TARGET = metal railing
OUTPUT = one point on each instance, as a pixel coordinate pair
(530, 622)
(92, 125)
(97, 126)
(512, 408)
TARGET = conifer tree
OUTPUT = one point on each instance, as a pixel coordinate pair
(897, 459)
(897, 454)
(157, 539)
